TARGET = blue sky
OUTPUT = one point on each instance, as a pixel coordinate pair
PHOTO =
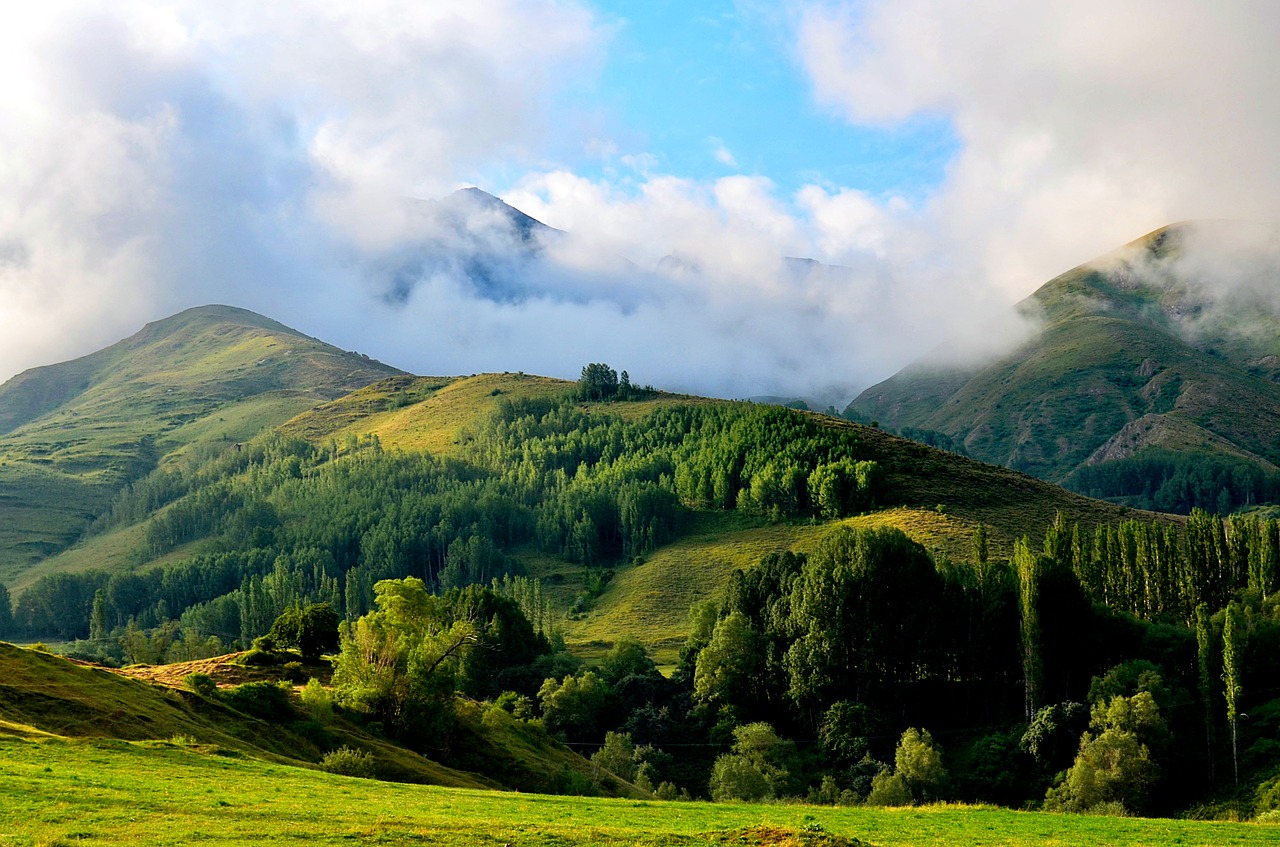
(683, 80)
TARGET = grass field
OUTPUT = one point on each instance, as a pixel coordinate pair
(59, 792)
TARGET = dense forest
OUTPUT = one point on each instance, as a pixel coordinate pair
(867, 671)
(1166, 481)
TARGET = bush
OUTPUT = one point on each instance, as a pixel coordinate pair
(517, 705)
(316, 699)
(293, 672)
(265, 700)
(202, 684)
(261, 658)
(347, 761)
(888, 789)
(313, 731)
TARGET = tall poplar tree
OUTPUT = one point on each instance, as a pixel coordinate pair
(1205, 665)
(6, 611)
(1233, 635)
(981, 551)
(1028, 568)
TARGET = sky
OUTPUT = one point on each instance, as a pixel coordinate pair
(947, 158)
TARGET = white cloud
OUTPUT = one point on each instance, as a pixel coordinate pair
(158, 155)
(1082, 123)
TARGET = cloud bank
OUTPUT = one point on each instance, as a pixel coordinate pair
(286, 157)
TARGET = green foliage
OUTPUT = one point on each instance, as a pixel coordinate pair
(398, 664)
(860, 615)
(347, 761)
(889, 789)
(617, 755)
(6, 611)
(202, 684)
(758, 766)
(728, 666)
(1169, 481)
(316, 699)
(601, 382)
(1114, 766)
(845, 729)
(598, 382)
(918, 761)
(293, 672)
(266, 700)
(1233, 641)
(1053, 736)
(573, 705)
(505, 648)
(516, 705)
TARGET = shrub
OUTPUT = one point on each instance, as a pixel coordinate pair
(517, 705)
(888, 789)
(316, 699)
(293, 672)
(260, 658)
(313, 731)
(265, 700)
(202, 684)
(347, 761)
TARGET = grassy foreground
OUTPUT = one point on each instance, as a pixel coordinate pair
(59, 792)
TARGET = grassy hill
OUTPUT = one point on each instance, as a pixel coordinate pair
(43, 696)
(72, 434)
(1138, 353)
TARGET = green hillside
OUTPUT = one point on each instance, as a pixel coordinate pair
(936, 497)
(719, 598)
(1140, 368)
(59, 791)
(73, 434)
(43, 696)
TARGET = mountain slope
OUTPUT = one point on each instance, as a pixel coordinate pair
(72, 434)
(1165, 347)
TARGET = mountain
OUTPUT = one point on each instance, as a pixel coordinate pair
(473, 236)
(1153, 376)
(74, 433)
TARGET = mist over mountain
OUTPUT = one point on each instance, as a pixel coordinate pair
(1153, 357)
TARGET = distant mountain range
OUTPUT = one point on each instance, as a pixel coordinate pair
(1152, 378)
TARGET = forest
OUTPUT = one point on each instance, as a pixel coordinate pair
(1103, 668)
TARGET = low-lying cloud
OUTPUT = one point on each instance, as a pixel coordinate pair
(288, 157)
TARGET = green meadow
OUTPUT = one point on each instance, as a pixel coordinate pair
(59, 792)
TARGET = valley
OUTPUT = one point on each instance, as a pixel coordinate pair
(619, 591)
